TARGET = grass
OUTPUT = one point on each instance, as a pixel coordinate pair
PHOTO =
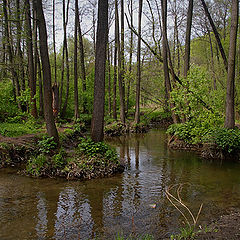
(17, 129)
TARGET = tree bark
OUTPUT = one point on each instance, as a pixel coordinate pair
(100, 64)
(31, 75)
(115, 65)
(216, 35)
(82, 64)
(76, 105)
(15, 81)
(137, 108)
(188, 39)
(48, 110)
(230, 111)
(65, 21)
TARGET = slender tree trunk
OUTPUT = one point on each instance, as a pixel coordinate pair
(130, 57)
(15, 81)
(216, 35)
(188, 39)
(40, 83)
(100, 64)
(137, 108)
(54, 44)
(120, 47)
(166, 55)
(115, 67)
(82, 64)
(230, 112)
(76, 105)
(19, 50)
(65, 21)
(31, 75)
(48, 110)
(109, 81)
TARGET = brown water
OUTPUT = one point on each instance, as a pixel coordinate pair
(102, 208)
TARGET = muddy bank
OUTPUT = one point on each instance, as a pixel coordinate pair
(225, 227)
(119, 129)
(205, 150)
(69, 162)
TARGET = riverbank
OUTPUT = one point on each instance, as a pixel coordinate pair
(78, 157)
(204, 150)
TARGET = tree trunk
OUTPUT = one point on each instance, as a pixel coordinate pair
(41, 103)
(54, 46)
(230, 112)
(216, 35)
(188, 39)
(82, 64)
(31, 75)
(137, 108)
(76, 105)
(19, 51)
(120, 48)
(109, 81)
(48, 110)
(15, 81)
(130, 57)
(65, 21)
(100, 64)
(115, 67)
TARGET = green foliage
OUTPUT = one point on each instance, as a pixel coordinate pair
(58, 160)
(36, 164)
(8, 108)
(92, 149)
(46, 145)
(185, 233)
(227, 139)
(16, 129)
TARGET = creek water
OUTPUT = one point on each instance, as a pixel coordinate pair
(133, 202)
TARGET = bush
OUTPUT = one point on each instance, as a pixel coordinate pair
(227, 139)
(46, 145)
(36, 164)
(92, 149)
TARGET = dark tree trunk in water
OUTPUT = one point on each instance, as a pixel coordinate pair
(137, 108)
(100, 64)
(48, 110)
(230, 112)
(31, 74)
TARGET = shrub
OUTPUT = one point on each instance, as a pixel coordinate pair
(227, 139)
(35, 165)
(46, 144)
(92, 149)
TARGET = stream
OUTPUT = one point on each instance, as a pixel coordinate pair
(133, 202)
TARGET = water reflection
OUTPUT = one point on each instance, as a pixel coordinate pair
(56, 209)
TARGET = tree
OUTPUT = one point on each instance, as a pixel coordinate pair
(76, 105)
(100, 64)
(31, 74)
(188, 38)
(48, 110)
(137, 109)
(230, 112)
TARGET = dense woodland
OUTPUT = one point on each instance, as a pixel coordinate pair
(117, 60)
